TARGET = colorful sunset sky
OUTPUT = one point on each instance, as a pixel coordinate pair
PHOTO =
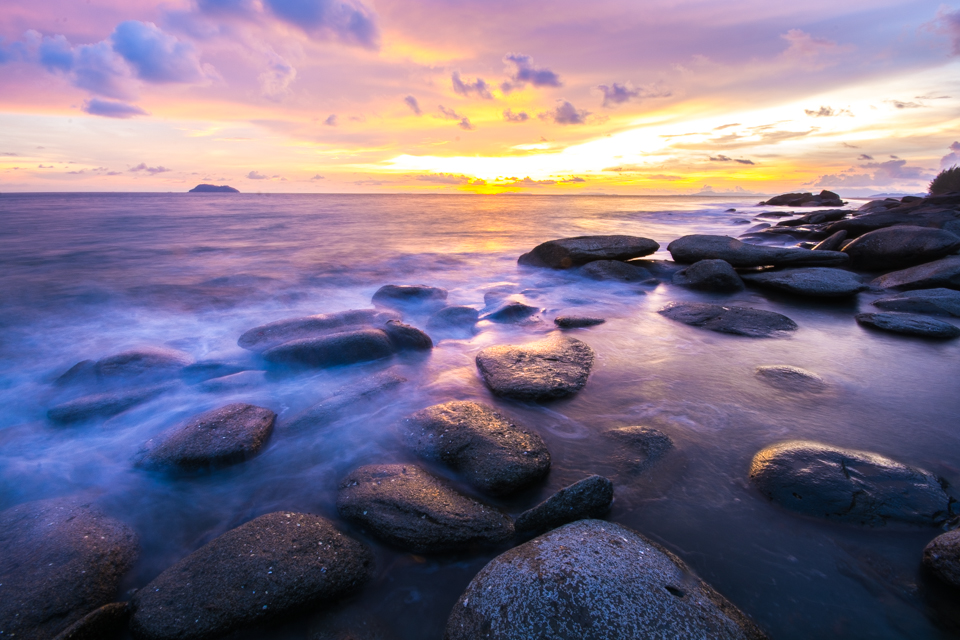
(451, 96)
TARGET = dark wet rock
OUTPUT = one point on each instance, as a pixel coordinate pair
(577, 322)
(937, 302)
(899, 247)
(909, 324)
(615, 270)
(491, 452)
(60, 560)
(832, 243)
(348, 623)
(350, 347)
(137, 366)
(741, 321)
(775, 214)
(234, 382)
(453, 317)
(923, 213)
(709, 275)
(816, 282)
(216, 438)
(201, 371)
(106, 623)
(102, 405)
(879, 205)
(273, 565)
(589, 498)
(942, 557)
(551, 368)
(410, 509)
(407, 296)
(511, 312)
(740, 221)
(939, 273)
(572, 252)
(640, 447)
(788, 378)
(823, 199)
(405, 337)
(816, 217)
(848, 486)
(346, 400)
(662, 269)
(690, 249)
(276, 333)
(597, 580)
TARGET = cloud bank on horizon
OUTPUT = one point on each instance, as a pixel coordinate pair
(432, 96)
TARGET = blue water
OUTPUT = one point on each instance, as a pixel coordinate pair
(85, 276)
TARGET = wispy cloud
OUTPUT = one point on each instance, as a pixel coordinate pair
(523, 71)
(112, 108)
(478, 87)
(411, 102)
(151, 170)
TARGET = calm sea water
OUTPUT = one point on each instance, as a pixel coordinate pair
(88, 275)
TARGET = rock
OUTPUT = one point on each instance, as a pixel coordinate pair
(511, 312)
(690, 249)
(572, 252)
(615, 270)
(216, 438)
(824, 199)
(348, 623)
(202, 371)
(350, 347)
(597, 580)
(491, 452)
(815, 282)
(741, 321)
(663, 269)
(405, 296)
(453, 317)
(554, 367)
(937, 302)
(577, 322)
(407, 507)
(942, 557)
(275, 564)
(641, 447)
(787, 378)
(925, 213)
(347, 399)
(105, 623)
(909, 324)
(816, 217)
(405, 337)
(848, 486)
(589, 498)
(234, 382)
(900, 246)
(213, 188)
(139, 366)
(61, 560)
(709, 275)
(276, 333)
(102, 405)
(832, 243)
(939, 273)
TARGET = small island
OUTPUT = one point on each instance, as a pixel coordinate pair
(212, 188)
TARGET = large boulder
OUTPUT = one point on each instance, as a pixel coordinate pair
(823, 199)
(909, 324)
(709, 275)
(788, 378)
(102, 405)
(407, 507)
(106, 623)
(490, 451)
(740, 321)
(140, 366)
(615, 270)
(593, 580)
(939, 273)
(61, 560)
(942, 557)
(589, 498)
(273, 565)
(572, 252)
(848, 486)
(349, 347)
(690, 249)
(936, 302)
(409, 296)
(264, 337)
(814, 282)
(900, 246)
(216, 438)
(554, 367)
(816, 217)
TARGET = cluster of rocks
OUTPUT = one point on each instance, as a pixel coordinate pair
(823, 199)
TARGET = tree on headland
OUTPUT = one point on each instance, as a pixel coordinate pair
(947, 181)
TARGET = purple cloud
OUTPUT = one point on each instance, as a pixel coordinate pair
(478, 87)
(112, 109)
(565, 113)
(952, 159)
(156, 56)
(331, 120)
(349, 21)
(256, 175)
(465, 124)
(413, 104)
(56, 54)
(151, 170)
(444, 178)
(524, 72)
(510, 116)
(621, 93)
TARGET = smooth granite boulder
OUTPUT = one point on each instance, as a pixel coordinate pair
(408, 508)
(347, 400)
(816, 217)
(102, 405)
(615, 270)
(638, 447)
(834, 242)
(693, 248)
(511, 312)
(909, 324)
(942, 557)
(409, 296)
(218, 438)
(554, 367)
(787, 378)
(593, 580)
(900, 246)
(140, 366)
(61, 559)
(589, 498)
(106, 623)
(814, 282)
(848, 486)
(939, 273)
(577, 322)
(273, 565)
(264, 337)
(936, 302)
(491, 452)
(740, 321)
(709, 275)
(350, 347)
(571, 252)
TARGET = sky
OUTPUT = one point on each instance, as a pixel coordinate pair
(610, 97)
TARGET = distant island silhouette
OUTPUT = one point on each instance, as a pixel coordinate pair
(212, 188)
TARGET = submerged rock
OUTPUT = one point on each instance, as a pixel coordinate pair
(105, 623)
(709, 275)
(815, 282)
(234, 382)
(138, 366)
(346, 400)
(102, 405)
(589, 498)
(273, 565)
(787, 378)
(577, 322)
(61, 560)
(208, 370)
(407, 507)
(270, 335)
(572, 252)
(640, 447)
(848, 486)
(942, 557)
(693, 248)
(350, 347)
(511, 312)
(900, 246)
(554, 367)
(597, 580)
(406, 296)
(493, 454)
(909, 324)
(615, 270)
(939, 273)
(453, 317)
(741, 321)
(938, 302)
